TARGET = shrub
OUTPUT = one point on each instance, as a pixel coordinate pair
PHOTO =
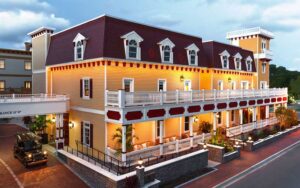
(205, 127)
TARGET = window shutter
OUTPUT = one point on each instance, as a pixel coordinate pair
(81, 135)
(91, 88)
(80, 88)
(91, 135)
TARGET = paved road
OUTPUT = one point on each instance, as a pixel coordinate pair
(53, 175)
(282, 172)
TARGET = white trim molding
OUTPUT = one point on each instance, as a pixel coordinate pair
(132, 36)
(224, 54)
(192, 48)
(238, 60)
(162, 47)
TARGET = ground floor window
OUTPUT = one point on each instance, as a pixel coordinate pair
(186, 123)
(86, 133)
(2, 85)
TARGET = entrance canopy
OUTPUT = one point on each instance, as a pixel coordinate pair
(19, 105)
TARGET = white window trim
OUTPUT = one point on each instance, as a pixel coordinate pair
(190, 48)
(190, 89)
(83, 134)
(247, 84)
(83, 93)
(225, 53)
(238, 56)
(222, 83)
(249, 59)
(123, 83)
(165, 84)
(79, 38)
(132, 36)
(166, 42)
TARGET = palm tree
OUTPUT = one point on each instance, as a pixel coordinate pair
(129, 137)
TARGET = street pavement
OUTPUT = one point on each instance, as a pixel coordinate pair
(55, 174)
(282, 172)
(248, 159)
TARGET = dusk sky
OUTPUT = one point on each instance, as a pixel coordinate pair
(207, 19)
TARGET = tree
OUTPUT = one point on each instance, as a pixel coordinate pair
(39, 124)
(295, 87)
(286, 117)
(129, 137)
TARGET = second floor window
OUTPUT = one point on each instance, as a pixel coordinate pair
(264, 66)
(86, 88)
(27, 66)
(79, 46)
(2, 64)
(132, 45)
(167, 53)
(192, 57)
(79, 49)
(2, 85)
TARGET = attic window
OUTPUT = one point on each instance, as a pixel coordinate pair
(225, 59)
(237, 61)
(192, 55)
(79, 46)
(249, 63)
(132, 45)
(166, 50)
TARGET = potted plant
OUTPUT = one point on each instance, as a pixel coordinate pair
(129, 137)
(205, 127)
(38, 126)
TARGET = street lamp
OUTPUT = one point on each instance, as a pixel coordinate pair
(140, 162)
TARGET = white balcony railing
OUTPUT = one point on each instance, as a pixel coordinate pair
(248, 32)
(237, 130)
(265, 54)
(125, 99)
(16, 98)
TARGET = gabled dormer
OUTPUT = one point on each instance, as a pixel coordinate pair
(166, 50)
(238, 61)
(249, 63)
(225, 59)
(192, 54)
(79, 46)
(132, 45)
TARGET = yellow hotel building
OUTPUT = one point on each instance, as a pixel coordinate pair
(158, 85)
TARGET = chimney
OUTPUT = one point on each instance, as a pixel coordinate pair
(40, 41)
(28, 46)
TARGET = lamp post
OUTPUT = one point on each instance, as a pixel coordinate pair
(140, 173)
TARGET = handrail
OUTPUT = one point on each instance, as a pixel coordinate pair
(123, 99)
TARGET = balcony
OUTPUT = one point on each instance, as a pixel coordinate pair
(18, 105)
(266, 54)
(130, 107)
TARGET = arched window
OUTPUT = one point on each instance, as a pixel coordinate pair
(167, 53)
(79, 49)
(132, 49)
(192, 57)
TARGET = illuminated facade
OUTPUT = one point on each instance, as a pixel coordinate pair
(120, 74)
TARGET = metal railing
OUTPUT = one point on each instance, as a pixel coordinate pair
(13, 98)
(123, 99)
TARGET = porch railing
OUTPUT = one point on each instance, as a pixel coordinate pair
(236, 130)
(9, 98)
(125, 99)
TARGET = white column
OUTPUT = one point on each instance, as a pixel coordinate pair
(241, 119)
(57, 130)
(214, 122)
(227, 118)
(161, 142)
(59, 122)
(124, 142)
(267, 111)
(191, 121)
(254, 117)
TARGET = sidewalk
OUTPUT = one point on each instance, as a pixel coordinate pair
(246, 160)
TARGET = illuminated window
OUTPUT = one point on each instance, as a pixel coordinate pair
(2, 64)
(27, 65)
(86, 133)
(192, 55)
(132, 45)
(86, 88)
(186, 123)
(2, 85)
(27, 85)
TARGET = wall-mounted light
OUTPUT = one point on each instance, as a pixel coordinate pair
(196, 119)
(181, 78)
(229, 80)
(71, 124)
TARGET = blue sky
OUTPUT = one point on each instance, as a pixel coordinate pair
(209, 19)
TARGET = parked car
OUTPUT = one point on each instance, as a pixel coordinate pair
(28, 149)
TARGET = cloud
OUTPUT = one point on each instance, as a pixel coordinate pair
(163, 20)
(21, 17)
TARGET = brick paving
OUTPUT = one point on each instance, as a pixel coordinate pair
(53, 175)
(246, 160)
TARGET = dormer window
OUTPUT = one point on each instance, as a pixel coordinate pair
(132, 45)
(238, 61)
(225, 59)
(249, 63)
(79, 46)
(192, 55)
(166, 50)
